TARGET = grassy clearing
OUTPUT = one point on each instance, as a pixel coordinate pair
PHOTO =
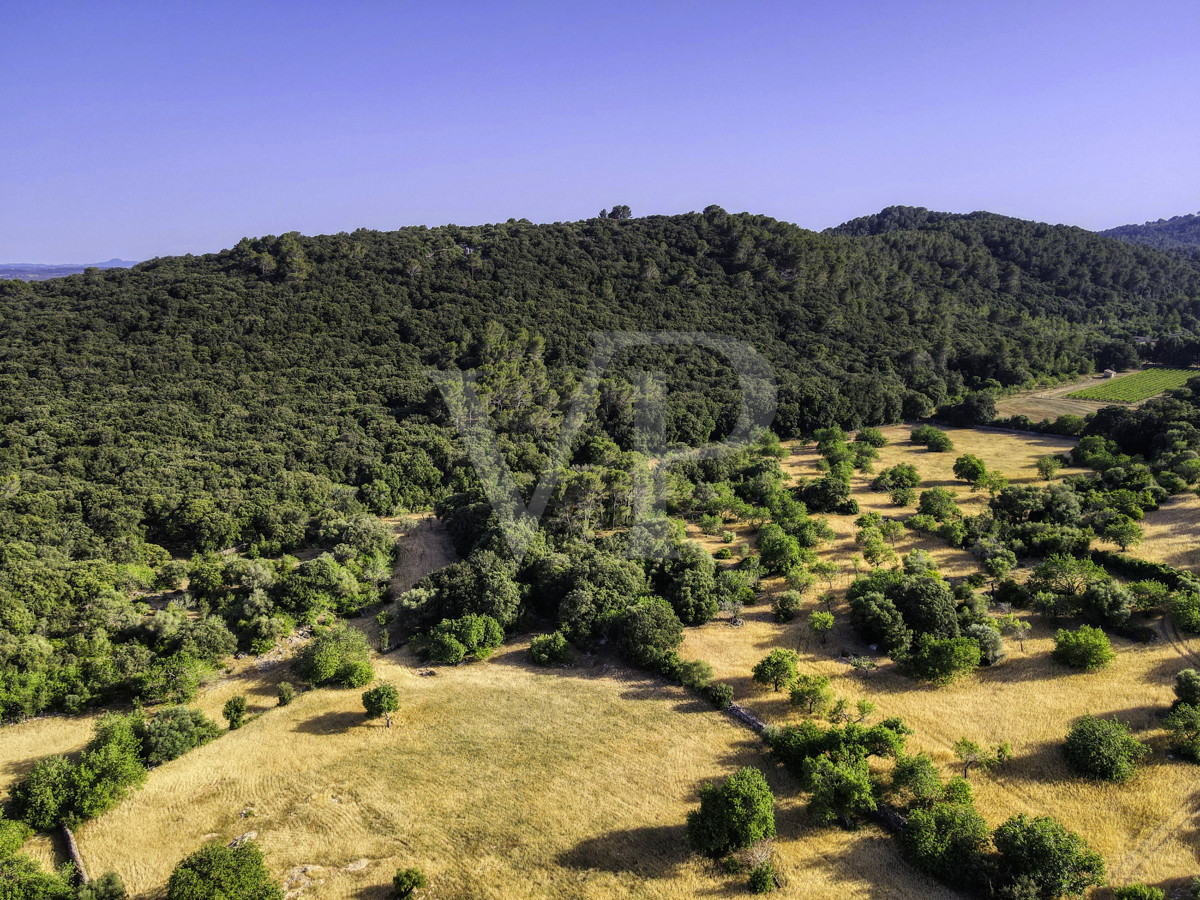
(1136, 386)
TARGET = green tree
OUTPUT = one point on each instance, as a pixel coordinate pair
(1048, 466)
(820, 623)
(812, 693)
(733, 814)
(1123, 531)
(974, 755)
(216, 872)
(777, 669)
(1087, 648)
(549, 649)
(381, 700)
(285, 693)
(235, 711)
(1050, 860)
(969, 468)
(842, 790)
(1103, 748)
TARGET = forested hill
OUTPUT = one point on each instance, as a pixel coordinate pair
(1177, 233)
(127, 395)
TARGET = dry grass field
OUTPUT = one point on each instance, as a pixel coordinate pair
(503, 780)
(1052, 402)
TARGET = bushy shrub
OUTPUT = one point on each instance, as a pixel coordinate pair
(991, 644)
(338, 656)
(1103, 748)
(550, 649)
(217, 872)
(1187, 687)
(1087, 648)
(648, 630)
(762, 878)
(477, 635)
(286, 693)
(1138, 892)
(1041, 859)
(941, 660)
(235, 711)
(175, 731)
(786, 605)
(407, 882)
(719, 694)
(733, 814)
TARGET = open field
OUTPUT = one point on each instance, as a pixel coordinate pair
(1136, 386)
(1052, 402)
(503, 780)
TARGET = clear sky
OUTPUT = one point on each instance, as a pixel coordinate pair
(136, 130)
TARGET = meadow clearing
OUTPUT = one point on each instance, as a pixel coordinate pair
(504, 780)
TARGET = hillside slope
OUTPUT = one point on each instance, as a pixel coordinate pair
(1176, 233)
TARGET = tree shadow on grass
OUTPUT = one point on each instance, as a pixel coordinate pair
(650, 852)
(330, 723)
(376, 892)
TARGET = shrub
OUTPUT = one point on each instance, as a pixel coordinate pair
(12, 835)
(175, 731)
(477, 635)
(1138, 892)
(407, 882)
(727, 537)
(1046, 858)
(762, 878)
(717, 693)
(1184, 609)
(820, 623)
(733, 814)
(446, 649)
(941, 660)
(1187, 687)
(648, 630)
(786, 605)
(217, 872)
(382, 700)
(235, 711)
(548, 649)
(991, 644)
(286, 693)
(871, 436)
(1184, 722)
(947, 840)
(339, 656)
(1103, 748)
(1087, 648)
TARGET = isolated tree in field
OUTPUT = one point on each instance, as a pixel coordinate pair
(1087, 648)
(786, 605)
(1048, 467)
(407, 882)
(1046, 859)
(1103, 748)
(777, 669)
(969, 468)
(286, 693)
(975, 756)
(1020, 628)
(820, 623)
(381, 700)
(735, 813)
(811, 693)
(235, 711)
(1124, 532)
(1184, 722)
(217, 872)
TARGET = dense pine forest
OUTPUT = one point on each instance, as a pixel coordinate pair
(274, 396)
(1175, 233)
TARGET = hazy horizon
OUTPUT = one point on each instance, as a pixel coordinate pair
(152, 131)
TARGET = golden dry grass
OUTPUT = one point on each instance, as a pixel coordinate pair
(1146, 830)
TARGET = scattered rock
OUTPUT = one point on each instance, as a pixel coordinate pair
(243, 839)
(357, 866)
(426, 673)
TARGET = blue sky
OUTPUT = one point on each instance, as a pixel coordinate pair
(139, 130)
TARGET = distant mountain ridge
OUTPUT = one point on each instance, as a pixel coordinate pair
(42, 271)
(1176, 233)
